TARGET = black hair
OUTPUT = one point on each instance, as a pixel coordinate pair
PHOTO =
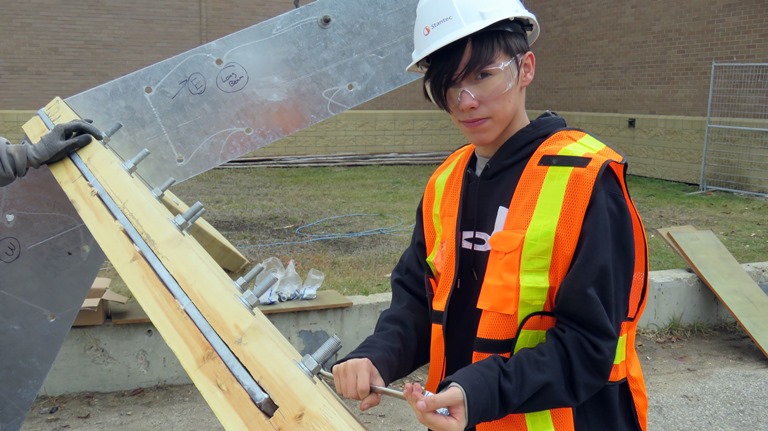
(507, 37)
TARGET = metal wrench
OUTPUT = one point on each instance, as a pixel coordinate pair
(376, 389)
(312, 365)
(390, 392)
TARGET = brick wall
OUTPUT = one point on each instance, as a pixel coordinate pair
(53, 48)
(598, 63)
(634, 57)
(640, 56)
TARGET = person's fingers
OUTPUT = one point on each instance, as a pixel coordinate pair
(445, 399)
(348, 382)
(339, 377)
(413, 394)
(78, 141)
(352, 378)
(335, 370)
(79, 127)
(372, 400)
(363, 387)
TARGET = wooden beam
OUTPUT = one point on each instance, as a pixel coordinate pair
(220, 249)
(223, 393)
(719, 270)
(304, 403)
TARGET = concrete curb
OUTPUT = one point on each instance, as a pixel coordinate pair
(110, 358)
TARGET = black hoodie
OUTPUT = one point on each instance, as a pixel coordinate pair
(571, 368)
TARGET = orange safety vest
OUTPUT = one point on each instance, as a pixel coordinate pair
(528, 260)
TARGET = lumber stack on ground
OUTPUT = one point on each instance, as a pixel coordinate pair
(304, 403)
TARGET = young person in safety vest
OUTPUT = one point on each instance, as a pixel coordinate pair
(15, 159)
(527, 271)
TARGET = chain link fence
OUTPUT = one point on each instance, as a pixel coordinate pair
(736, 141)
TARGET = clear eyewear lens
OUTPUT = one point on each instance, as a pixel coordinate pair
(487, 84)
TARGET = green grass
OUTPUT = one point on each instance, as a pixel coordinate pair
(257, 206)
(739, 221)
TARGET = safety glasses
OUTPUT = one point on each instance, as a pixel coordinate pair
(485, 84)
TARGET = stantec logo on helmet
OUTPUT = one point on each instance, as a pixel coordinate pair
(428, 29)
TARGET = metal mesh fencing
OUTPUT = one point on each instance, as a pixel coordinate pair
(736, 141)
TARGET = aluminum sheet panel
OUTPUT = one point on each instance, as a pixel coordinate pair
(48, 260)
(237, 94)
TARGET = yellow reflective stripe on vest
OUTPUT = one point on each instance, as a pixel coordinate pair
(439, 192)
(530, 338)
(540, 237)
(621, 350)
(539, 421)
(537, 257)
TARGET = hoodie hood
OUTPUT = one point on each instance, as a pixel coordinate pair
(523, 143)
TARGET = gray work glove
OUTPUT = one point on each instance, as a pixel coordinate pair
(13, 161)
(63, 139)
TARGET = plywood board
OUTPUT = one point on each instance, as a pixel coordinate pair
(719, 270)
(304, 403)
(123, 314)
(325, 299)
(664, 232)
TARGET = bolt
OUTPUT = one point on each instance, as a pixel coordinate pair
(194, 218)
(251, 297)
(130, 165)
(160, 191)
(269, 280)
(184, 221)
(312, 364)
(242, 281)
(111, 131)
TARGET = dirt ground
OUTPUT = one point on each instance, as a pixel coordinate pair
(716, 380)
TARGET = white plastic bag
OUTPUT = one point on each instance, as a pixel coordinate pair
(313, 282)
(289, 284)
(272, 266)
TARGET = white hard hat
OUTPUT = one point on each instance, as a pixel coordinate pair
(441, 22)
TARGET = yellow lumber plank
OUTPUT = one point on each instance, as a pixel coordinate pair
(719, 270)
(34, 129)
(303, 403)
(226, 397)
(220, 249)
(223, 251)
